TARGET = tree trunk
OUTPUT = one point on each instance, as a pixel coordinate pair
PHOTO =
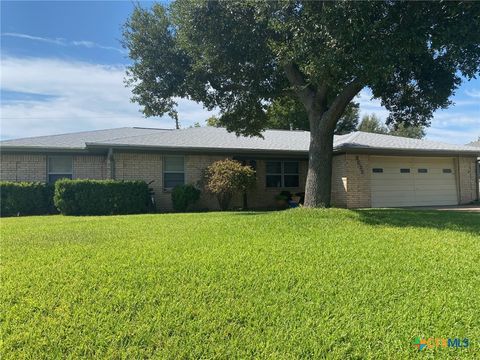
(319, 176)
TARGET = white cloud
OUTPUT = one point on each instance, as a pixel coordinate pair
(473, 93)
(57, 41)
(83, 97)
(63, 42)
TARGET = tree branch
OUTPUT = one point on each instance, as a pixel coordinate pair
(303, 90)
(342, 100)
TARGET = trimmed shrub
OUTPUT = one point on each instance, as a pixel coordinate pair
(101, 197)
(26, 198)
(224, 178)
(183, 196)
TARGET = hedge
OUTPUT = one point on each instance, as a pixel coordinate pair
(184, 196)
(26, 198)
(101, 197)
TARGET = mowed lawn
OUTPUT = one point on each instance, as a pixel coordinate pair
(280, 285)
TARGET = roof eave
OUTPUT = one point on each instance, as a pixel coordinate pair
(407, 152)
(193, 149)
(40, 149)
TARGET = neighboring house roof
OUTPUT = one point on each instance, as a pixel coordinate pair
(211, 139)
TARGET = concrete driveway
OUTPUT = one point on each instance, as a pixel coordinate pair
(473, 208)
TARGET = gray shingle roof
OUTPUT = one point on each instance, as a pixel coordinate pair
(368, 141)
(75, 140)
(218, 139)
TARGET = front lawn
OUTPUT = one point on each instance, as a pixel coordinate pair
(280, 285)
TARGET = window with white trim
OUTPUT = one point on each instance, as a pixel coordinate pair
(282, 174)
(59, 167)
(173, 171)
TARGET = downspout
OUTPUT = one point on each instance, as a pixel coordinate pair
(111, 164)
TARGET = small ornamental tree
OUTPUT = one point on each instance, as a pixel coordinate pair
(226, 177)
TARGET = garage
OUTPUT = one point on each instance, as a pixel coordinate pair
(413, 181)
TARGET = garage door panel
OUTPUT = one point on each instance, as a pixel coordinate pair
(392, 188)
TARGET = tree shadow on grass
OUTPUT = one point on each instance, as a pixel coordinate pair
(442, 220)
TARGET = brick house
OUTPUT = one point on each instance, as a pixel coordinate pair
(369, 170)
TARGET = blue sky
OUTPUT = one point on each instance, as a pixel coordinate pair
(63, 68)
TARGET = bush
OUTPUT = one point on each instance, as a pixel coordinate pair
(26, 198)
(101, 197)
(224, 178)
(184, 196)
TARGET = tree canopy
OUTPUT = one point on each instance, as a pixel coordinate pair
(241, 56)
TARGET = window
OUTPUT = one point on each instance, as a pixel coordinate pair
(405, 171)
(422, 171)
(282, 174)
(173, 172)
(447, 171)
(59, 167)
(377, 170)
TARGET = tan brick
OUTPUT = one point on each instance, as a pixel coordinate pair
(467, 179)
(23, 167)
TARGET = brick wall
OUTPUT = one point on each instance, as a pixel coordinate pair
(23, 167)
(358, 181)
(149, 166)
(467, 179)
(339, 181)
(90, 167)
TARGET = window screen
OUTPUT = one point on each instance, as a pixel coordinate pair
(59, 167)
(282, 174)
(173, 171)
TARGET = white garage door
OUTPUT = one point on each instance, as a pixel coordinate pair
(412, 181)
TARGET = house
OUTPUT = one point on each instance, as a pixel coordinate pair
(369, 170)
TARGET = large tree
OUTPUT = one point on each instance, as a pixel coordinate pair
(240, 56)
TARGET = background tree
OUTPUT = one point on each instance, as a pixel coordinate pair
(213, 121)
(372, 124)
(240, 56)
(414, 132)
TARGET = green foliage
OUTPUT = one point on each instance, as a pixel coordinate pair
(233, 55)
(213, 121)
(101, 197)
(414, 132)
(297, 284)
(183, 196)
(26, 198)
(287, 113)
(224, 178)
(373, 124)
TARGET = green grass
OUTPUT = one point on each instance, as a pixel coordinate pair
(281, 285)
